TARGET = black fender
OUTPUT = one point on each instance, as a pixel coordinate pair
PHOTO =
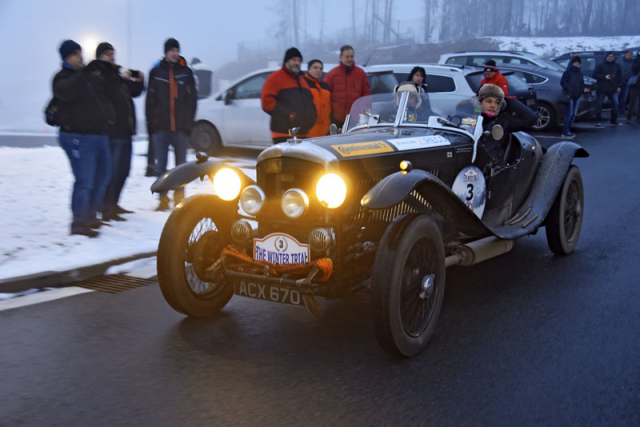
(187, 172)
(396, 187)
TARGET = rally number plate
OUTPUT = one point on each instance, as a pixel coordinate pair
(267, 292)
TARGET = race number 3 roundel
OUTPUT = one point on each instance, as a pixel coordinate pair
(471, 187)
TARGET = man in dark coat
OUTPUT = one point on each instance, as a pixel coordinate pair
(626, 62)
(634, 90)
(572, 83)
(609, 77)
(170, 108)
(286, 97)
(83, 118)
(121, 86)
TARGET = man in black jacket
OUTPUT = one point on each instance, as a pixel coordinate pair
(170, 108)
(609, 77)
(83, 119)
(572, 83)
(121, 86)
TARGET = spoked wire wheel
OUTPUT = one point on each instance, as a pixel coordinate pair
(191, 242)
(407, 284)
(564, 221)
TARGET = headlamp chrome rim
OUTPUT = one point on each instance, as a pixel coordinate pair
(303, 197)
(261, 195)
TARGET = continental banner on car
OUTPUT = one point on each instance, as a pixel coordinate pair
(471, 188)
(363, 148)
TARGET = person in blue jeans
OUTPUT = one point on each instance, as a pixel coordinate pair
(572, 83)
(170, 109)
(122, 85)
(82, 115)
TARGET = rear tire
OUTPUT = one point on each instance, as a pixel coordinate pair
(564, 221)
(546, 117)
(407, 285)
(191, 241)
(204, 137)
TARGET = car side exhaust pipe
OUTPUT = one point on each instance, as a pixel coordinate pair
(478, 251)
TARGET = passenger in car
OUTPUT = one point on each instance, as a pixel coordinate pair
(510, 113)
(493, 76)
(321, 99)
(418, 75)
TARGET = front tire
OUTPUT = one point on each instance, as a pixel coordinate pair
(407, 285)
(191, 241)
(564, 221)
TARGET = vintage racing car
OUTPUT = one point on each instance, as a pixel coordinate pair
(379, 210)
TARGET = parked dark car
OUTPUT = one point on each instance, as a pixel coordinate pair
(378, 212)
(549, 105)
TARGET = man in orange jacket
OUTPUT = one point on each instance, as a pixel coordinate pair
(321, 98)
(347, 82)
(287, 99)
(494, 77)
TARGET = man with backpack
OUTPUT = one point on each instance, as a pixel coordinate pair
(81, 106)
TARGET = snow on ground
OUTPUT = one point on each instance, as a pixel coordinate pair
(35, 189)
(555, 46)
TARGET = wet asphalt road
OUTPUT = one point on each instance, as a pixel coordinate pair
(523, 339)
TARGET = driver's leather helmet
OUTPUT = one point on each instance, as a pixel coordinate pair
(414, 100)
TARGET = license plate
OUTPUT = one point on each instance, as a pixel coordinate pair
(267, 292)
(280, 248)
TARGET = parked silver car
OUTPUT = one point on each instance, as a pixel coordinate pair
(479, 58)
(233, 117)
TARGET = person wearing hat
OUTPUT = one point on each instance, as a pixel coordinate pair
(121, 86)
(572, 83)
(625, 63)
(609, 78)
(170, 110)
(83, 119)
(509, 113)
(494, 77)
(287, 98)
(321, 98)
(347, 82)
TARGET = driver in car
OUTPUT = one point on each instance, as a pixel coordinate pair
(509, 113)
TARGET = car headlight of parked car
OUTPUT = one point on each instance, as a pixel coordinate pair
(294, 203)
(252, 199)
(227, 184)
(331, 190)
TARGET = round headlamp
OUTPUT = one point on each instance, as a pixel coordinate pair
(294, 203)
(252, 199)
(331, 190)
(226, 184)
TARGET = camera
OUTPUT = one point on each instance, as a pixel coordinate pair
(135, 74)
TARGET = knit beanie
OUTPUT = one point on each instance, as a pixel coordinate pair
(292, 52)
(577, 59)
(68, 47)
(490, 65)
(102, 48)
(170, 44)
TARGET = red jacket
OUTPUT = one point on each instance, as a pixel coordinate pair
(322, 100)
(499, 80)
(287, 99)
(347, 84)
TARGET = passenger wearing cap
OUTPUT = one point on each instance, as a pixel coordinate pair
(572, 83)
(170, 110)
(82, 115)
(493, 76)
(121, 85)
(286, 97)
(626, 63)
(509, 113)
(418, 107)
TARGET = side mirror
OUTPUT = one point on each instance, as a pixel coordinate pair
(497, 132)
(333, 129)
(227, 98)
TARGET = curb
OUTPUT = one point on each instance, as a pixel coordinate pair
(64, 278)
